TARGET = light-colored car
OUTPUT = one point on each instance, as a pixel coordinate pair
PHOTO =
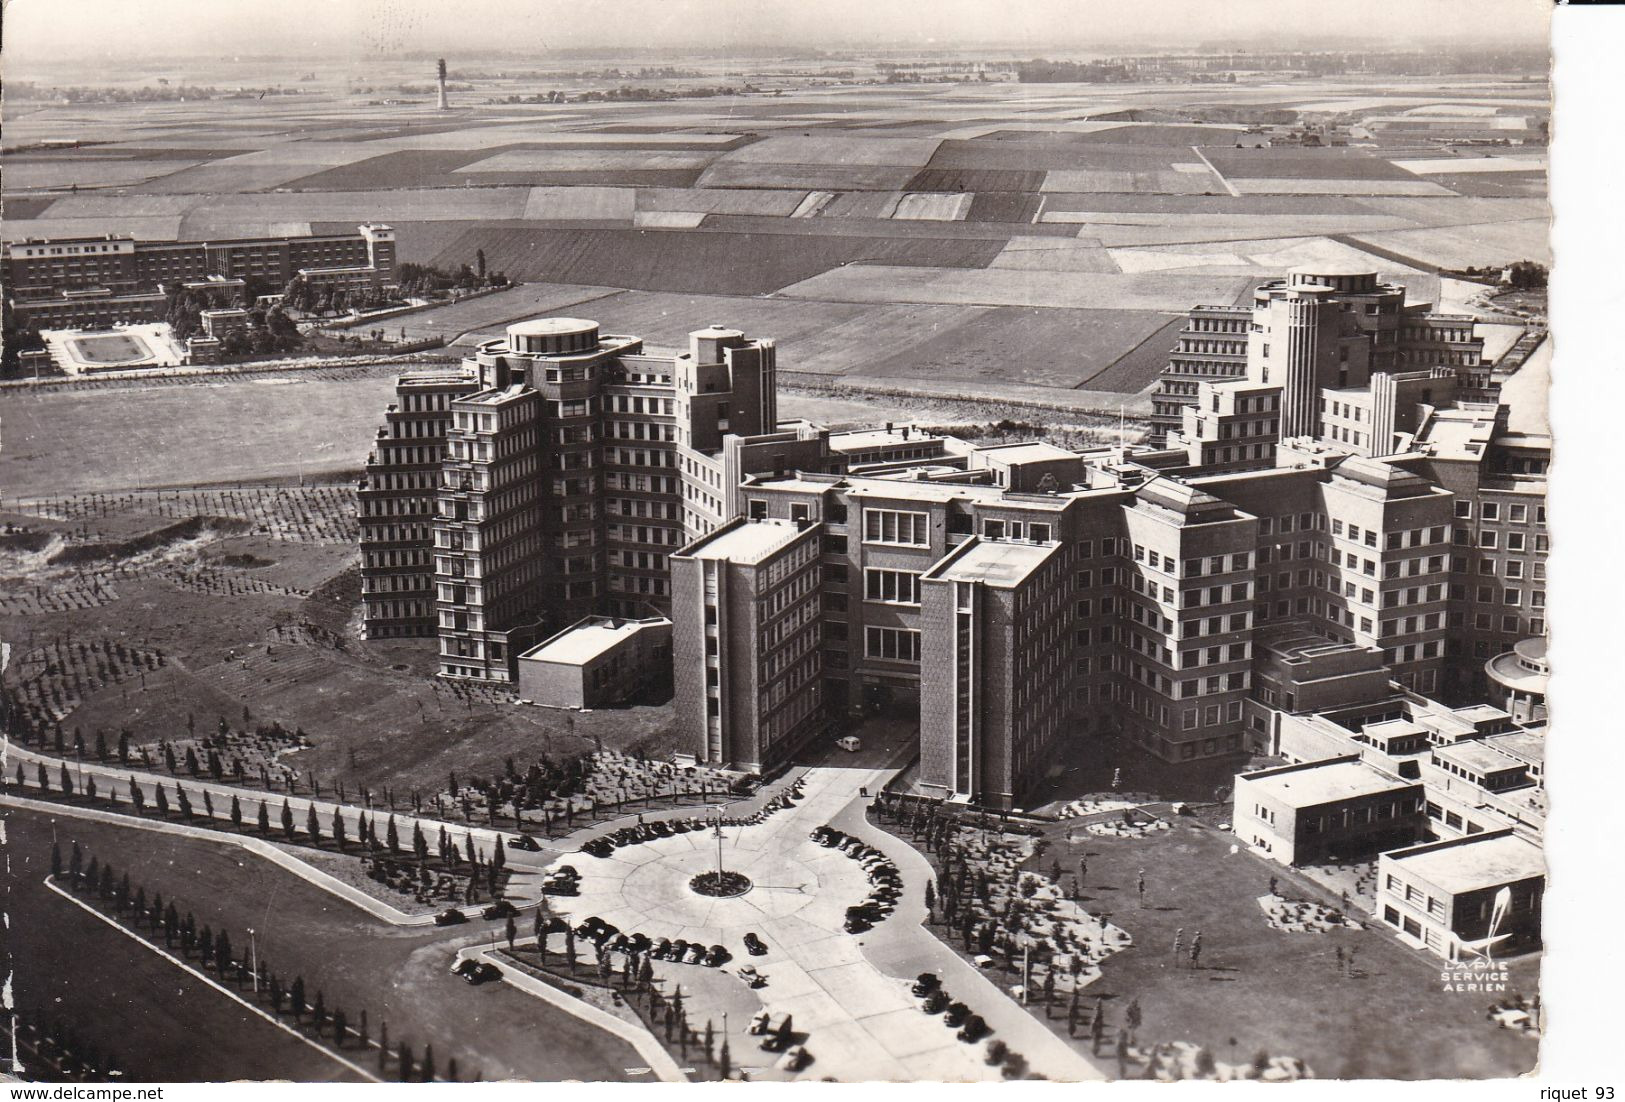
(851, 743)
(794, 1059)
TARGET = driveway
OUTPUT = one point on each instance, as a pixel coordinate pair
(848, 993)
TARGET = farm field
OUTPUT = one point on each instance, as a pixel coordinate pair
(796, 215)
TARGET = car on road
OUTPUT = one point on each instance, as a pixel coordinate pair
(524, 842)
(476, 972)
(451, 916)
(754, 945)
(500, 909)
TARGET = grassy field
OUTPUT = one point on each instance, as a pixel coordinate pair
(400, 976)
(71, 440)
(73, 968)
(1259, 987)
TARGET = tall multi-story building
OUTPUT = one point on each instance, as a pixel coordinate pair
(1211, 348)
(562, 459)
(1188, 596)
(1316, 329)
(396, 502)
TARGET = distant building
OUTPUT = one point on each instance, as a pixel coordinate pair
(1316, 329)
(81, 282)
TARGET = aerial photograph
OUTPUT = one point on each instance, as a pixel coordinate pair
(773, 541)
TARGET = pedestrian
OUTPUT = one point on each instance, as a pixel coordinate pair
(1140, 887)
(1272, 886)
(1196, 948)
(1350, 967)
(1083, 870)
(1339, 960)
(1179, 941)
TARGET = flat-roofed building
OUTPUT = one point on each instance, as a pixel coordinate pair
(1474, 897)
(596, 662)
(995, 681)
(745, 616)
(1340, 807)
(1481, 766)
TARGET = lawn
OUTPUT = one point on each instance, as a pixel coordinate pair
(400, 976)
(127, 1001)
(115, 349)
(1256, 987)
(75, 440)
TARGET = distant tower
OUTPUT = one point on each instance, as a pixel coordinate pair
(440, 68)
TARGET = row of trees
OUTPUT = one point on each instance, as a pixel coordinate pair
(387, 847)
(215, 951)
(664, 1015)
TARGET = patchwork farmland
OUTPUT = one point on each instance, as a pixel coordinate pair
(879, 232)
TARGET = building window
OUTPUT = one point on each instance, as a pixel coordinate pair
(893, 526)
(898, 587)
(893, 644)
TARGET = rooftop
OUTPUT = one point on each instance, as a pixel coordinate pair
(551, 327)
(863, 439)
(1032, 451)
(1392, 729)
(1525, 746)
(746, 542)
(587, 639)
(1324, 782)
(1476, 757)
(1001, 563)
(1472, 863)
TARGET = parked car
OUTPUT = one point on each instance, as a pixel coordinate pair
(451, 916)
(754, 945)
(956, 1015)
(973, 1030)
(524, 842)
(717, 956)
(857, 925)
(794, 1059)
(925, 983)
(475, 972)
(851, 743)
(556, 885)
(696, 953)
(500, 909)
(662, 947)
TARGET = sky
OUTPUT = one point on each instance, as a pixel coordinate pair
(458, 27)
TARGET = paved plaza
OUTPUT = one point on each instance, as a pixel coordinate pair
(848, 993)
